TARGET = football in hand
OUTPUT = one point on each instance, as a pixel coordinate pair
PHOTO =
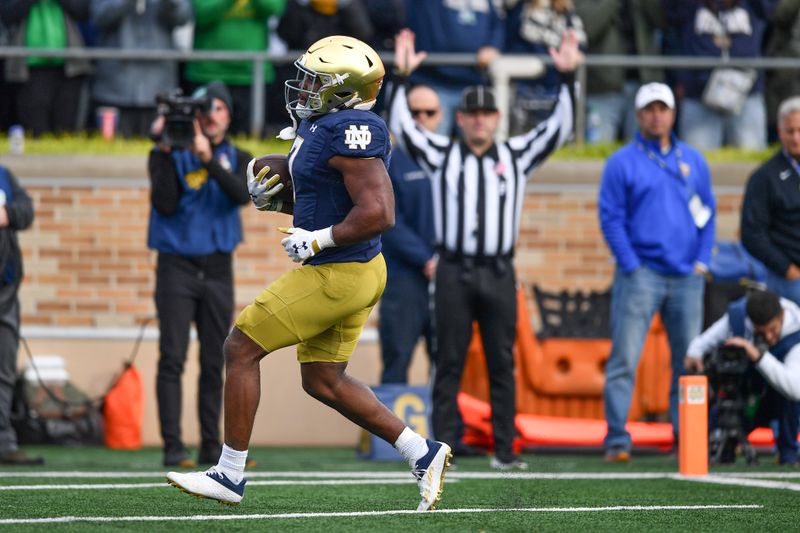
(278, 164)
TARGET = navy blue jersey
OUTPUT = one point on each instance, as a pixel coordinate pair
(320, 196)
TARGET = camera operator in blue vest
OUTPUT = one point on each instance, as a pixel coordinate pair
(198, 182)
(767, 328)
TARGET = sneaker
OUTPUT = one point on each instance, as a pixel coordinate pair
(19, 458)
(617, 455)
(505, 466)
(211, 484)
(429, 471)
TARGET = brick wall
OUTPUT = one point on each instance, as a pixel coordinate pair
(87, 263)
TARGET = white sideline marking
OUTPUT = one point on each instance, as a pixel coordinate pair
(163, 484)
(743, 482)
(405, 475)
(196, 518)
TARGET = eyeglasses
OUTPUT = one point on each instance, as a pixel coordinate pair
(427, 112)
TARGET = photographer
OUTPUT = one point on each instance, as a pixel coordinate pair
(767, 329)
(197, 185)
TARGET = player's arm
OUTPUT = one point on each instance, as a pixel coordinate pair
(370, 188)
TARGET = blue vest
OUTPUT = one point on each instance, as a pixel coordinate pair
(207, 220)
(736, 315)
(11, 268)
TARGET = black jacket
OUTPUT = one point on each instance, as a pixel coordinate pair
(770, 225)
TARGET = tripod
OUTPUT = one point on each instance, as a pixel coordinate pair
(729, 433)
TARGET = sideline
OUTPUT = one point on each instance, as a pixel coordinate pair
(197, 518)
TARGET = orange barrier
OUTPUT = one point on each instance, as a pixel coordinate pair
(564, 377)
(536, 430)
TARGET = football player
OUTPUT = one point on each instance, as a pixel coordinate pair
(343, 201)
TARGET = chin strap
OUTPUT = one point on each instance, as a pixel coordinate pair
(289, 132)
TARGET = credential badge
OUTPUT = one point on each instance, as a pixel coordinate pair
(357, 137)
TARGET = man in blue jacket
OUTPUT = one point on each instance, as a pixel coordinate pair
(657, 214)
(409, 251)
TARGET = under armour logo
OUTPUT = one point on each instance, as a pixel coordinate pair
(298, 247)
(357, 137)
(313, 128)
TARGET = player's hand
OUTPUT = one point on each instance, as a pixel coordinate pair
(568, 56)
(263, 189)
(406, 57)
(303, 244)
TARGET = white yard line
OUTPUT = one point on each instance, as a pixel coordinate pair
(204, 518)
(163, 484)
(744, 482)
(453, 474)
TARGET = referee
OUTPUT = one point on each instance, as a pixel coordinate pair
(478, 191)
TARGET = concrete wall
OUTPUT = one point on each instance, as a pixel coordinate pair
(89, 272)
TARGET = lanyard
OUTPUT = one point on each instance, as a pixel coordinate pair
(682, 174)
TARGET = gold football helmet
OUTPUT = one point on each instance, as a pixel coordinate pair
(336, 72)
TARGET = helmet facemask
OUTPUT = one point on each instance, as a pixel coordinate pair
(335, 73)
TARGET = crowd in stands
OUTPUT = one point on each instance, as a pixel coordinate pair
(719, 107)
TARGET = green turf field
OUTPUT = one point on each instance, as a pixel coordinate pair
(94, 489)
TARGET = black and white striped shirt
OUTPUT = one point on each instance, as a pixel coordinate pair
(477, 200)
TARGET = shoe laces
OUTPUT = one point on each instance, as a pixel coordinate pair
(214, 471)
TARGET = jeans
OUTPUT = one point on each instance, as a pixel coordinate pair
(405, 317)
(786, 288)
(706, 129)
(609, 114)
(635, 297)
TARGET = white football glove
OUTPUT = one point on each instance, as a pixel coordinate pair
(303, 244)
(263, 189)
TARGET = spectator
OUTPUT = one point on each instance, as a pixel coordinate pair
(478, 188)
(456, 27)
(657, 214)
(195, 227)
(388, 17)
(342, 201)
(770, 221)
(239, 25)
(131, 86)
(409, 251)
(783, 41)
(618, 27)
(533, 27)
(48, 90)
(306, 22)
(7, 111)
(723, 107)
(763, 320)
(16, 213)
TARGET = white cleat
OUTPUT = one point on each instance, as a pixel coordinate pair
(429, 472)
(211, 484)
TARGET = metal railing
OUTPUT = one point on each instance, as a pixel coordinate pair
(502, 71)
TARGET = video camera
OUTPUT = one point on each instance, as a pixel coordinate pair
(733, 391)
(180, 112)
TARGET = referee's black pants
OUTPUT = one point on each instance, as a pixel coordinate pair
(199, 290)
(469, 290)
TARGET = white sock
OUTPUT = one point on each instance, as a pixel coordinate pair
(231, 463)
(411, 445)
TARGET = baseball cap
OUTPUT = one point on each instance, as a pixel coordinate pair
(477, 98)
(216, 89)
(654, 92)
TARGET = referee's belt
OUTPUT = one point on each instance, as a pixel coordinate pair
(500, 262)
